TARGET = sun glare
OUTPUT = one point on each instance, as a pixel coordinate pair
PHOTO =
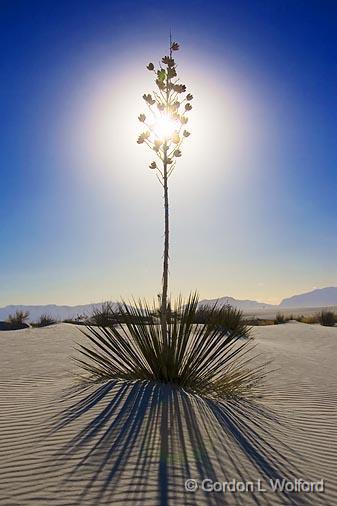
(224, 120)
(164, 126)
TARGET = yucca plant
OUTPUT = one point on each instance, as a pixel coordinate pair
(201, 358)
(168, 107)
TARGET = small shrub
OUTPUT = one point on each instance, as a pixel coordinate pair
(327, 318)
(103, 316)
(310, 319)
(279, 319)
(18, 320)
(301, 318)
(224, 318)
(80, 319)
(259, 322)
(107, 316)
(45, 320)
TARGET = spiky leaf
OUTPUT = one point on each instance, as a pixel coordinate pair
(206, 356)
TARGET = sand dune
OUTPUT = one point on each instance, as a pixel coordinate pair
(121, 443)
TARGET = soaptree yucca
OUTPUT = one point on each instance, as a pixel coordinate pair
(165, 130)
(205, 359)
(203, 351)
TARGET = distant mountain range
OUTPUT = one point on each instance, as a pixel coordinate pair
(245, 305)
(321, 297)
(316, 298)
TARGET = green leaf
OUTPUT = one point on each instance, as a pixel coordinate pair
(161, 75)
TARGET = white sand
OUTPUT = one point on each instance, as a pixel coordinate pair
(144, 448)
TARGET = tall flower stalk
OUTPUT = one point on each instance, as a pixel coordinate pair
(165, 132)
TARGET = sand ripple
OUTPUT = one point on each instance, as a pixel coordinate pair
(120, 443)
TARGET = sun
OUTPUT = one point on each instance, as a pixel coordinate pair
(164, 126)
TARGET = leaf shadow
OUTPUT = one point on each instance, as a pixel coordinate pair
(138, 442)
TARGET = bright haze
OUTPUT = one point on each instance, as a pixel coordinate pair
(253, 199)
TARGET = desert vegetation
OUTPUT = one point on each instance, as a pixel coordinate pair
(327, 318)
(17, 321)
(280, 319)
(200, 350)
(44, 321)
(107, 315)
(259, 322)
(225, 318)
(79, 319)
(204, 358)
(103, 316)
(165, 133)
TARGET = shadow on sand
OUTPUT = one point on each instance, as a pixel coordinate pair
(137, 443)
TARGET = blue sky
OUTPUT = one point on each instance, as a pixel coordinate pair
(253, 199)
